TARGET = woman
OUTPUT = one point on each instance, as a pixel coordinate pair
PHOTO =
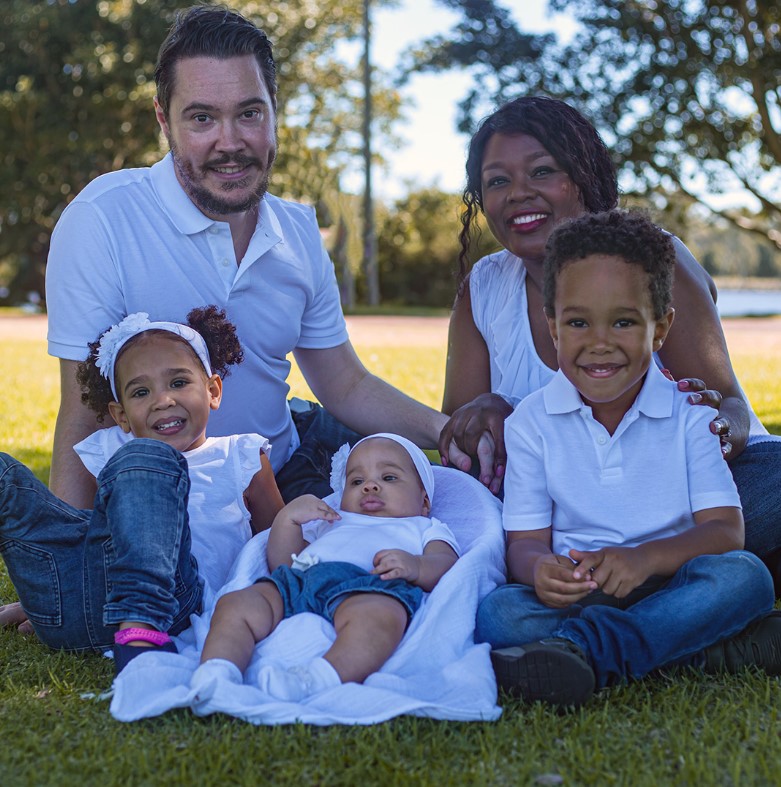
(533, 163)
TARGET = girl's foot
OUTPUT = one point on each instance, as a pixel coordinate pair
(132, 642)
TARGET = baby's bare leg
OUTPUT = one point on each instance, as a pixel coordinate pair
(369, 627)
(241, 619)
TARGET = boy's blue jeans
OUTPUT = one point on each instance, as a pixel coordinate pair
(81, 573)
(663, 622)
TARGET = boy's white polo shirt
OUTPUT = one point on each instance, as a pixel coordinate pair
(642, 483)
(133, 241)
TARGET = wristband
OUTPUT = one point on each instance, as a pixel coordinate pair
(142, 635)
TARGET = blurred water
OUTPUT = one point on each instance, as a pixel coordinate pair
(746, 303)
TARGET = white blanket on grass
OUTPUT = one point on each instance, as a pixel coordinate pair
(437, 671)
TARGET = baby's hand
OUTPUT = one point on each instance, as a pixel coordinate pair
(617, 570)
(556, 585)
(306, 508)
(397, 564)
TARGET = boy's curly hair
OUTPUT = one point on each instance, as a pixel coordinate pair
(626, 234)
(209, 321)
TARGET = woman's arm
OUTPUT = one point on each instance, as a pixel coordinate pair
(696, 348)
(468, 369)
(476, 426)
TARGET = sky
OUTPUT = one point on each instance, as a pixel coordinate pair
(432, 152)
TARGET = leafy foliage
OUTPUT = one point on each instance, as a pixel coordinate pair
(76, 88)
(489, 44)
(418, 249)
(686, 91)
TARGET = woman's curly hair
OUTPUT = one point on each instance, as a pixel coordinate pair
(566, 134)
(210, 322)
(629, 235)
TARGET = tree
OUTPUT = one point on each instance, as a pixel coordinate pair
(488, 43)
(418, 250)
(686, 91)
(76, 88)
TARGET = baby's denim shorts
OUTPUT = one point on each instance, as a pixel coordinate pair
(322, 587)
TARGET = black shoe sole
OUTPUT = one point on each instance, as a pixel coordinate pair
(759, 645)
(550, 674)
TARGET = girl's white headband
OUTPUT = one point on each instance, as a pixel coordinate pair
(419, 459)
(114, 339)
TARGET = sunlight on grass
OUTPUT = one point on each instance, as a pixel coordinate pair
(419, 375)
(670, 729)
(760, 377)
(28, 415)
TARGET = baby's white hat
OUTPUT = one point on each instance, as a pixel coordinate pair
(419, 459)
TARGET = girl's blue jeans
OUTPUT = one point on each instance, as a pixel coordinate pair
(663, 622)
(80, 573)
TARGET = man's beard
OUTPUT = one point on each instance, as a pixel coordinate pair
(213, 204)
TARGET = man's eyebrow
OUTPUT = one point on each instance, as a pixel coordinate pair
(200, 105)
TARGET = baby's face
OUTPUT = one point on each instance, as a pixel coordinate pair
(382, 481)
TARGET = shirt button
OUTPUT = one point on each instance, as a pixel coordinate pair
(225, 262)
(602, 439)
(214, 230)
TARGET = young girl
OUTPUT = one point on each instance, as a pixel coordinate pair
(173, 507)
(363, 568)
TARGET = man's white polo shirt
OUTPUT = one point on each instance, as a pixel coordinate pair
(133, 241)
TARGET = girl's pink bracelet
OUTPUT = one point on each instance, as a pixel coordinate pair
(143, 635)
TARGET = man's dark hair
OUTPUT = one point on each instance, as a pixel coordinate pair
(211, 31)
(629, 235)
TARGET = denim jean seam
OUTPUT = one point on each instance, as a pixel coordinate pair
(54, 591)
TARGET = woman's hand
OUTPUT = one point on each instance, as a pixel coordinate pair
(477, 430)
(720, 425)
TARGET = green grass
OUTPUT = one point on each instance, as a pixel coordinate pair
(676, 729)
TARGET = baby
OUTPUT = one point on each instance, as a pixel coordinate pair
(363, 567)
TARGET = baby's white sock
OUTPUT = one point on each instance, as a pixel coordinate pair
(205, 678)
(296, 683)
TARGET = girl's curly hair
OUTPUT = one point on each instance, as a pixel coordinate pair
(209, 321)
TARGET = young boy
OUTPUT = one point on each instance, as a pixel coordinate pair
(624, 527)
(363, 568)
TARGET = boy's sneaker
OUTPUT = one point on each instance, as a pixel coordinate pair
(551, 670)
(758, 645)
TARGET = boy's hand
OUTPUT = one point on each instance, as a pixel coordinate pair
(555, 583)
(306, 508)
(397, 564)
(616, 570)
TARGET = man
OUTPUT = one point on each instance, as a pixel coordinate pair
(199, 228)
